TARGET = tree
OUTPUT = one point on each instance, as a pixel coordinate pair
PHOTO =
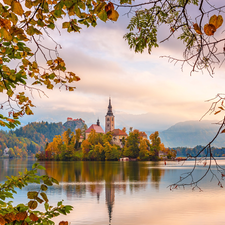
(155, 142)
(144, 152)
(29, 22)
(131, 148)
(197, 23)
(77, 135)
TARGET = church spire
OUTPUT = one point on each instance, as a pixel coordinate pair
(109, 113)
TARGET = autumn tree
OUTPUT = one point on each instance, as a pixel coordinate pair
(155, 142)
(77, 137)
(144, 151)
(131, 148)
(22, 27)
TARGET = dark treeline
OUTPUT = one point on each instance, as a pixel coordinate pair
(184, 151)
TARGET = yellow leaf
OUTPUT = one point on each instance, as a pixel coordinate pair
(28, 4)
(5, 34)
(28, 111)
(8, 2)
(113, 15)
(209, 29)
(217, 21)
(17, 8)
(197, 28)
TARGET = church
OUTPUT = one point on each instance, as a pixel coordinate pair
(109, 127)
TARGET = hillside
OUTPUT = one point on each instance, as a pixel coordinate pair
(192, 133)
(40, 132)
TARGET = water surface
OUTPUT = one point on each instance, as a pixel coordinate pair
(126, 193)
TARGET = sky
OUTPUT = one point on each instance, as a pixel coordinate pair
(147, 92)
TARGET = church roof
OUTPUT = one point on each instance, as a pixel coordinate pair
(98, 129)
(118, 132)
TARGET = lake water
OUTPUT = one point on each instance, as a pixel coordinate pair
(127, 193)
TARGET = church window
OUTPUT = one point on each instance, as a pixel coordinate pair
(107, 119)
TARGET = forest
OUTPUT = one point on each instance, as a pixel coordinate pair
(28, 140)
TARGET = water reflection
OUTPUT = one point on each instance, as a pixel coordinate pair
(125, 193)
(96, 178)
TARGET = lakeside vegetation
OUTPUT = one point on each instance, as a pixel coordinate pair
(100, 147)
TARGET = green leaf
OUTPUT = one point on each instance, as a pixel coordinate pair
(44, 196)
(65, 24)
(32, 194)
(40, 167)
(102, 15)
(48, 182)
(32, 204)
(54, 180)
(44, 187)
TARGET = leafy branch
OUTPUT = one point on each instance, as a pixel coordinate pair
(27, 213)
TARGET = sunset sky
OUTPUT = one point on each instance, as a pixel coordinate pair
(147, 92)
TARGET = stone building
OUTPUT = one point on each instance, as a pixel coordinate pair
(117, 137)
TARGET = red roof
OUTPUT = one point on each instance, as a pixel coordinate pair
(95, 127)
(118, 132)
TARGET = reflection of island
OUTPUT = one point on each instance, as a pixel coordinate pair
(78, 178)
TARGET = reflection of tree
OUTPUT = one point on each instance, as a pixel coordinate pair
(156, 174)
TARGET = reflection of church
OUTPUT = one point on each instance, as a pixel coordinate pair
(117, 134)
(110, 197)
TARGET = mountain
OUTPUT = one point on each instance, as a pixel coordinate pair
(191, 134)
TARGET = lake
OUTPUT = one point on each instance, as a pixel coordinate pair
(126, 193)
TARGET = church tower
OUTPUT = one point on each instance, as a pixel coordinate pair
(109, 119)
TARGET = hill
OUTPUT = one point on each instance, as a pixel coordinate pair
(42, 132)
(192, 133)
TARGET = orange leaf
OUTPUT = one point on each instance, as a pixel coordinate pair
(33, 217)
(21, 216)
(209, 29)
(197, 28)
(2, 221)
(10, 217)
(109, 6)
(217, 112)
(223, 131)
(63, 223)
